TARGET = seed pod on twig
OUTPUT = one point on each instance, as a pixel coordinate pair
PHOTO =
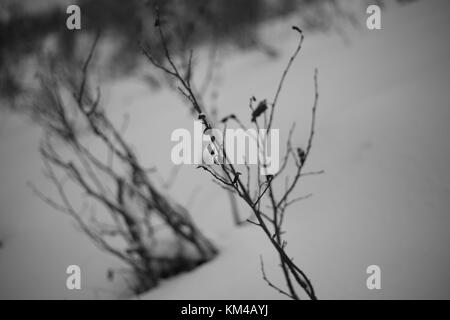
(260, 109)
(301, 154)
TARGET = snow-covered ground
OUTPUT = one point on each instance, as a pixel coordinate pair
(382, 138)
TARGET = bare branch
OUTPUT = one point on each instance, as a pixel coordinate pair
(270, 283)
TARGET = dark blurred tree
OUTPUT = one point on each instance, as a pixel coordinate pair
(25, 34)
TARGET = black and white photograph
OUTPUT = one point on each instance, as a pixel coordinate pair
(225, 150)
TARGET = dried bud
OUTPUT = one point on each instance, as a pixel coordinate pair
(236, 177)
(262, 107)
(297, 29)
(301, 154)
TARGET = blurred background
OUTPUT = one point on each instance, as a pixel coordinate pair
(381, 138)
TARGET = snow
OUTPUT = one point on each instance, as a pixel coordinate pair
(382, 139)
